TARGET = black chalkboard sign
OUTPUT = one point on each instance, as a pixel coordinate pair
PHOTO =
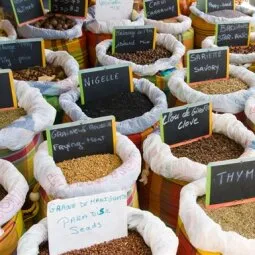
(77, 8)
(207, 64)
(7, 90)
(82, 138)
(27, 11)
(100, 82)
(158, 10)
(233, 34)
(229, 182)
(22, 54)
(181, 124)
(217, 5)
(133, 39)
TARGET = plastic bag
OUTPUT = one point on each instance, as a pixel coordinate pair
(106, 27)
(235, 58)
(16, 186)
(52, 179)
(156, 235)
(39, 116)
(130, 126)
(71, 68)
(165, 40)
(231, 103)
(161, 161)
(8, 28)
(203, 233)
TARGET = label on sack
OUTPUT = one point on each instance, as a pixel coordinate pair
(22, 54)
(26, 12)
(82, 138)
(186, 123)
(128, 39)
(75, 8)
(161, 9)
(207, 64)
(230, 182)
(114, 10)
(233, 34)
(8, 97)
(100, 82)
(218, 5)
(80, 222)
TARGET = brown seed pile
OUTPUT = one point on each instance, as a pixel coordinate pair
(2, 33)
(56, 22)
(243, 49)
(8, 116)
(3, 192)
(228, 14)
(133, 244)
(143, 57)
(50, 73)
(217, 147)
(89, 168)
(238, 218)
(221, 86)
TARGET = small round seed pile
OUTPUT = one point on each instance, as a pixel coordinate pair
(89, 168)
(8, 116)
(238, 218)
(228, 14)
(34, 73)
(56, 22)
(143, 57)
(243, 49)
(221, 86)
(217, 147)
(3, 192)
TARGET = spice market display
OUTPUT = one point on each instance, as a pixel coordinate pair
(127, 127)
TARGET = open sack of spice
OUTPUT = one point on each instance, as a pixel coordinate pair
(13, 191)
(226, 230)
(227, 95)
(167, 54)
(147, 235)
(58, 76)
(19, 126)
(52, 27)
(7, 31)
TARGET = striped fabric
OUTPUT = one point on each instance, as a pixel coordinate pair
(13, 230)
(23, 159)
(161, 197)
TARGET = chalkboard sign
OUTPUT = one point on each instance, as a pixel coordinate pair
(158, 10)
(82, 138)
(7, 90)
(100, 82)
(133, 39)
(185, 123)
(230, 182)
(22, 54)
(217, 5)
(76, 8)
(233, 34)
(27, 11)
(207, 64)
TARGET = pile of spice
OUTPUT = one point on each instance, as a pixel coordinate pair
(8, 116)
(217, 147)
(143, 57)
(133, 244)
(2, 33)
(56, 22)
(89, 168)
(228, 14)
(123, 106)
(38, 73)
(238, 218)
(3, 192)
(221, 86)
(242, 49)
